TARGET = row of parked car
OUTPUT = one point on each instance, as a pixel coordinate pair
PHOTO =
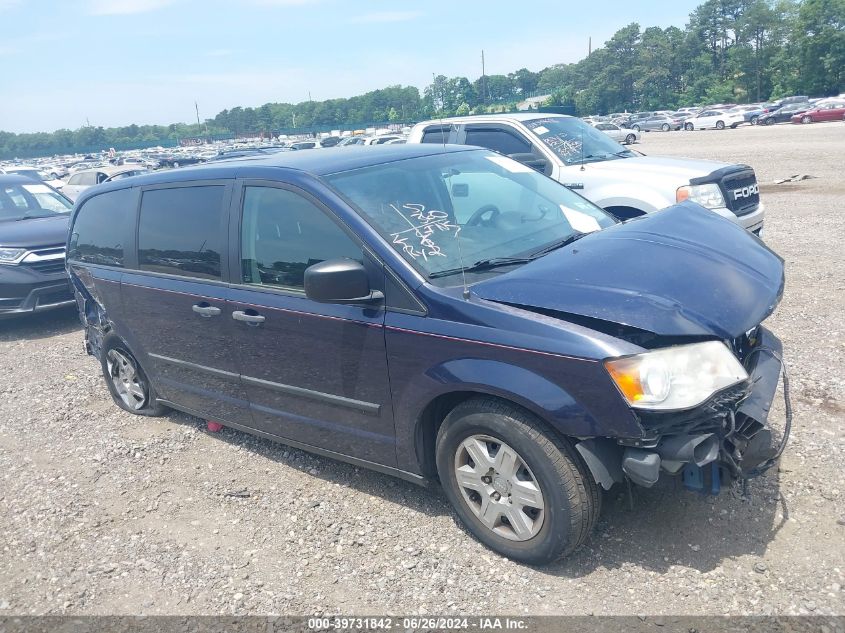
(444, 309)
(797, 109)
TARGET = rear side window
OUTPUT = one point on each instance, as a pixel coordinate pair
(100, 229)
(180, 231)
(436, 135)
(500, 141)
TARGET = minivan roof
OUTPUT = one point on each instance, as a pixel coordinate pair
(316, 162)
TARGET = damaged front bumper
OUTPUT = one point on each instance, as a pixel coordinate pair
(727, 437)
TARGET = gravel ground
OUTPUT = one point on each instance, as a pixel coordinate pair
(102, 512)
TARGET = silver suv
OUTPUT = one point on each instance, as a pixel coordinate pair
(623, 182)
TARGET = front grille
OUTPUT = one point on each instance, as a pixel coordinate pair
(733, 187)
(51, 266)
(55, 262)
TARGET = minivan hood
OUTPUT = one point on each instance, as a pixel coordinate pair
(35, 232)
(639, 169)
(683, 271)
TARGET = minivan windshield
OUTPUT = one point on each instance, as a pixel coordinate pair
(474, 211)
(21, 201)
(575, 142)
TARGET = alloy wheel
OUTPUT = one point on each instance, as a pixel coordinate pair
(499, 487)
(126, 380)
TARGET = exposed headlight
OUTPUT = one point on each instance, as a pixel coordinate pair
(11, 255)
(708, 195)
(676, 377)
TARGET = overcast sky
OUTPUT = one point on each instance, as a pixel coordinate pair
(115, 62)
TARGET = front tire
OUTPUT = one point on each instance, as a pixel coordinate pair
(128, 384)
(754, 120)
(689, 127)
(720, 125)
(517, 487)
(769, 121)
(806, 119)
(630, 139)
(665, 127)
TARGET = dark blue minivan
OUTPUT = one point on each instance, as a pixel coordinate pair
(439, 313)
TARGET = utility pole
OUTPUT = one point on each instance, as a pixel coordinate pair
(589, 46)
(483, 79)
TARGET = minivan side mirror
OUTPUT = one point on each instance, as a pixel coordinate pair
(339, 281)
(530, 160)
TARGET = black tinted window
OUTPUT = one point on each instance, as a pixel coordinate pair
(283, 234)
(180, 231)
(436, 135)
(101, 227)
(498, 140)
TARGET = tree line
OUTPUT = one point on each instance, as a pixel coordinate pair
(730, 51)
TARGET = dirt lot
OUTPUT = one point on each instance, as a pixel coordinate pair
(102, 512)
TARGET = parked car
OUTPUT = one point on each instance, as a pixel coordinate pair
(618, 134)
(80, 180)
(782, 114)
(828, 111)
(421, 311)
(793, 100)
(714, 120)
(299, 145)
(34, 174)
(623, 182)
(352, 140)
(33, 230)
(752, 114)
(661, 122)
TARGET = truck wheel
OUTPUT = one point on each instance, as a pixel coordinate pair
(631, 138)
(720, 125)
(665, 127)
(689, 127)
(517, 487)
(128, 384)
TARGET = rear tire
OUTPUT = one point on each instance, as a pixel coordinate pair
(523, 492)
(636, 128)
(754, 120)
(128, 384)
(631, 138)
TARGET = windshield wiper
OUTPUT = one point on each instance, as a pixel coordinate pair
(484, 264)
(556, 245)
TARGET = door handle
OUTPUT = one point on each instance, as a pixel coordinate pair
(205, 310)
(251, 319)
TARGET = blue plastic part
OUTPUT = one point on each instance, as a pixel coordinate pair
(693, 478)
(716, 479)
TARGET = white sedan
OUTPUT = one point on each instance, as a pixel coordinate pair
(714, 119)
(619, 134)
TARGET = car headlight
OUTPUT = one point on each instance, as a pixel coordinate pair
(676, 377)
(11, 255)
(708, 195)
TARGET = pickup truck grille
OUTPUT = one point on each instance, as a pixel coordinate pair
(740, 191)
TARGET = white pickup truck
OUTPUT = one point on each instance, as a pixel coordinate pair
(623, 182)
